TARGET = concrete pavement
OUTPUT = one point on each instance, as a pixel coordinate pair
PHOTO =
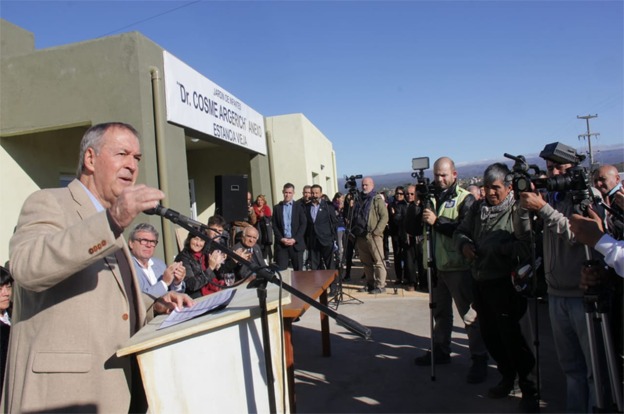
(379, 376)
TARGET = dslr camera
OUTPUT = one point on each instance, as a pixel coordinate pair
(424, 187)
(575, 180)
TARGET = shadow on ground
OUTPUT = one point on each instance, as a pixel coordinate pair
(379, 376)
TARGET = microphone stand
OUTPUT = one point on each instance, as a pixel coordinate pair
(264, 275)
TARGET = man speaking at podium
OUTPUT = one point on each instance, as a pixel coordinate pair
(76, 297)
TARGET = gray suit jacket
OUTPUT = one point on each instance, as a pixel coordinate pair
(71, 309)
(158, 289)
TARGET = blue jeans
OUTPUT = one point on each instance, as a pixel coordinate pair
(567, 317)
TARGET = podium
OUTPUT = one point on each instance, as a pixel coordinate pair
(213, 363)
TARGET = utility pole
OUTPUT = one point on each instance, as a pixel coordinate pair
(588, 136)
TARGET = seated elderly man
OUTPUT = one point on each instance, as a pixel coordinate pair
(249, 250)
(155, 278)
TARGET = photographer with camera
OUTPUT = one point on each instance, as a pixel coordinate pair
(563, 261)
(370, 217)
(454, 281)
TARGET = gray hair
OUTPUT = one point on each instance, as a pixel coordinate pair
(93, 139)
(143, 227)
(495, 172)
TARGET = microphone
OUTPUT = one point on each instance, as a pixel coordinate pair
(174, 216)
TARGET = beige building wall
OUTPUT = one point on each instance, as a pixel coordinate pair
(301, 155)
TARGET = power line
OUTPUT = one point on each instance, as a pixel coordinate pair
(151, 18)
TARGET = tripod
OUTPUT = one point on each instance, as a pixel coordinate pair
(432, 305)
(339, 297)
(597, 307)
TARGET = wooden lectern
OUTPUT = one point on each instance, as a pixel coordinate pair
(214, 363)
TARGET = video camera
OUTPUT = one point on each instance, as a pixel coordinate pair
(520, 177)
(424, 187)
(575, 179)
(350, 183)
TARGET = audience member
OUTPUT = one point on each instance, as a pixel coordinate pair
(607, 181)
(386, 233)
(321, 231)
(155, 278)
(248, 249)
(347, 215)
(494, 237)
(338, 204)
(397, 210)
(6, 290)
(265, 229)
(563, 260)
(289, 227)
(370, 218)
(454, 282)
(201, 261)
(76, 297)
(251, 213)
(413, 227)
(306, 194)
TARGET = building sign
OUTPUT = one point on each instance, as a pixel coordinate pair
(196, 102)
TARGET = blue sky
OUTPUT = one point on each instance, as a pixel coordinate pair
(387, 81)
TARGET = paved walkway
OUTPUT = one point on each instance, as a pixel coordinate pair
(379, 376)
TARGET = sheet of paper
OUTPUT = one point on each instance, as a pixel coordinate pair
(208, 303)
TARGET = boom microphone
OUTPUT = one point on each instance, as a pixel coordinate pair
(174, 216)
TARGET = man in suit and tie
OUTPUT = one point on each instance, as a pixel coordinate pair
(321, 231)
(155, 278)
(248, 248)
(76, 296)
(289, 227)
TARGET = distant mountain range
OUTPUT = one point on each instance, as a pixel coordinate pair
(604, 155)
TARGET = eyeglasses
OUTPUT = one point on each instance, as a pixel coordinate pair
(147, 242)
(411, 193)
(399, 194)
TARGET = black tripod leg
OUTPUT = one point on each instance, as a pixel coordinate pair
(596, 370)
(616, 386)
(268, 361)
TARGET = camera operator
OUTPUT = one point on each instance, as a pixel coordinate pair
(563, 261)
(454, 281)
(589, 231)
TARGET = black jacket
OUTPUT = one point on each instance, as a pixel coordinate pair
(298, 224)
(323, 230)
